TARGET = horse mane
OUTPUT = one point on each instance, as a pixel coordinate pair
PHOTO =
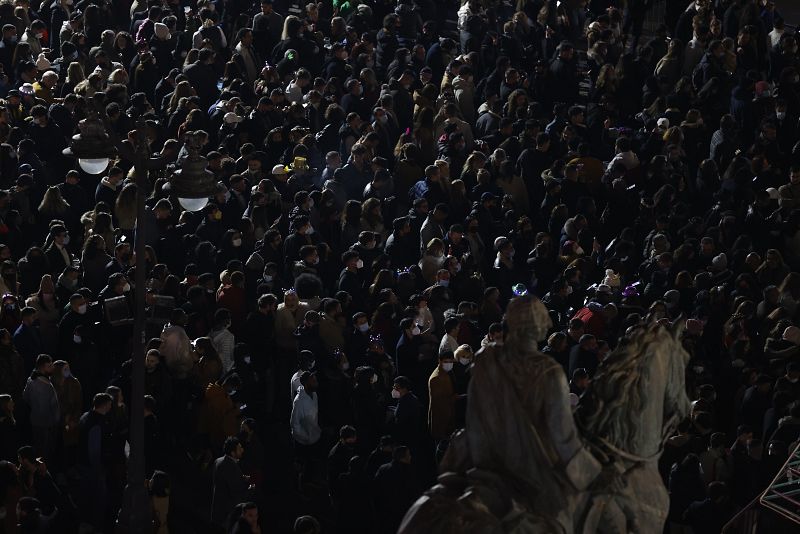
(612, 405)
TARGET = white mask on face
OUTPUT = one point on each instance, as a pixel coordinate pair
(82, 309)
(66, 240)
(415, 331)
(447, 366)
(345, 366)
(126, 287)
(395, 394)
(67, 373)
(373, 379)
(444, 283)
(236, 243)
(780, 115)
(247, 360)
(464, 361)
(360, 264)
(76, 338)
(364, 327)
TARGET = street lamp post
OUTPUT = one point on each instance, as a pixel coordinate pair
(193, 184)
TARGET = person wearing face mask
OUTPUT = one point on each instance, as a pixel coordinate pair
(441, 391)
(406, 421)
(58, 257)
(349, 279)
(461, 369)
(410, 358)
(77, 315)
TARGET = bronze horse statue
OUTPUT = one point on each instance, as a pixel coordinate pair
(523, 466)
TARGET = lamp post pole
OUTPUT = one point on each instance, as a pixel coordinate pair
(135, 514)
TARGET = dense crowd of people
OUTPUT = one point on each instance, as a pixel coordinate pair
(388, 176)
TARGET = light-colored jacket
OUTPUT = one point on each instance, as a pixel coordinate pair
(305, 417)
(223, 342)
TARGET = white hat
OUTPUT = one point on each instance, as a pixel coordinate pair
(161, 31)
(663, 123)
(232, 118)
(26, 89)
(42, 63)
(279, 169)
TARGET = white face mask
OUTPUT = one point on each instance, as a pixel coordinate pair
(76, 339)
(780, 115)
(345, 366)
(246, 360)
(67, 373)
(373, 379)
(395, 394)
(364, 327)
(360, 264)
(415, 331)
(126, 287)
(268, 278)
(236, 243)
(312, 364)
(66, 240)
(569, 290)
(464, 361)
(82, 309)
(444, 283)
(447, 366)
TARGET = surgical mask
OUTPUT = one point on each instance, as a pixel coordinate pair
(364, 327)
(67, 373)
(395, 394)
(232, 392)
(415, 331)
(345, 366)
(458, 267)
(464, 361)
(360, 264)
(373, 379)
(444, 283)
(447, 367)
(13, 39)
(246, 360)
(76, 339)
(268, 278)
(359, 91)
(698, 369)
(312, 364)
(569, 290)
(82, 309)
(66, 239)
(126, 287)
(73, 56)
(237, 243)
(780, 115)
